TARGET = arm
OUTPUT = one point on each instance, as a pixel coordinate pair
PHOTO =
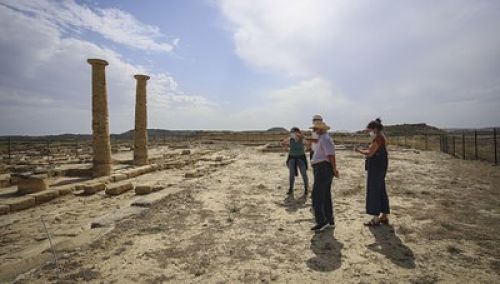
(329, 148)
(333, 161)
(371, 150)
(285, 143)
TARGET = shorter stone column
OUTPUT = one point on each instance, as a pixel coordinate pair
(141, 122)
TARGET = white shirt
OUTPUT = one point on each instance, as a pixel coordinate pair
(324, 148)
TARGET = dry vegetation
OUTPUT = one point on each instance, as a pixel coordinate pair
(235, 224)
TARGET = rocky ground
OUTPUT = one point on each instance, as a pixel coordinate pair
(236, 224)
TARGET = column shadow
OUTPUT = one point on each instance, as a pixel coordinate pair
(327, 250)
(390, 245)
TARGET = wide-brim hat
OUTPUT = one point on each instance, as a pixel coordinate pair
(317, 117)
(320, 125)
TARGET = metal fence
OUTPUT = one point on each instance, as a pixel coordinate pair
(468, 145)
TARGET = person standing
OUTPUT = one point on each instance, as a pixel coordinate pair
(377, 201)
(296, 160)
(324, 169)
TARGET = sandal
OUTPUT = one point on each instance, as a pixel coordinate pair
(372, 223)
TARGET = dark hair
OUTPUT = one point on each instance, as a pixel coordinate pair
(295, 129)
(375, 124)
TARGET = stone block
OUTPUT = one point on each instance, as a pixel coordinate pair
(104, 179)
(117, 189)
(118, 177)
(4, 209)
(67, 189)
(158, 187)
(44, 196)
(78, 172)
(31, 183)
(93, 188)
(143, 189)
(193, 174)
(80, 186)
(20, 203)
(4, 180)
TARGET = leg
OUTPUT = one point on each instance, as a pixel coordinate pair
(317, 197)
(329, 213)
(372, 194)
(385, 208)
(291, 174)
(303, 173)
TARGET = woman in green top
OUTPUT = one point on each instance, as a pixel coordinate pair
(296, 160)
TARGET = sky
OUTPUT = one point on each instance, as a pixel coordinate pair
(250, 64)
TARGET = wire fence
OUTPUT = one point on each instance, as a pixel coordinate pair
(468, 145)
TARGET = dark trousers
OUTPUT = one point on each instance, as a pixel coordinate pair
(322, 194)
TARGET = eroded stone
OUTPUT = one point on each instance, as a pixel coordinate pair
(44, 196)
(117, 189)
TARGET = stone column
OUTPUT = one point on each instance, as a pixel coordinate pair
(141, 122)
(100, 121)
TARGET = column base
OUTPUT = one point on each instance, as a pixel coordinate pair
(101, 170)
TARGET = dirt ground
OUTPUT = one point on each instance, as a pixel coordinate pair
(236, 224)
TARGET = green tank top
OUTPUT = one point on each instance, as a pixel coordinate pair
(296, 148)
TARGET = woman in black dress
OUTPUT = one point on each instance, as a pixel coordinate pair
(377, 201)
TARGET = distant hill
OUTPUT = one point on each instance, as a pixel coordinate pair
(158, 133)
(277, 130)
(411, 129)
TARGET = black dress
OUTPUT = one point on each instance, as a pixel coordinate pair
(377, 200)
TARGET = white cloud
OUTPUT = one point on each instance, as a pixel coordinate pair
(387, 55)
(45, 84)
(113, 24)
(296, 104)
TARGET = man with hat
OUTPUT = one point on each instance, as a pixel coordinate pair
(314, 137)
(324, 169)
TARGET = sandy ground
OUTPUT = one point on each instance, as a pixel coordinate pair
(236, 224)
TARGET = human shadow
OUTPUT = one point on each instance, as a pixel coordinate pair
(327, 250)
(390, 245)
(293, 204)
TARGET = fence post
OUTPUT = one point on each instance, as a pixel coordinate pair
(463, 145)
(475, 144)
(495, 144)
(9, 150)
(76, 148)
(48, 150)
(453, 145)
(441, 142)
(445, 140)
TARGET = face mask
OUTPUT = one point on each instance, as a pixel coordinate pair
(293, 136)
(372, 134)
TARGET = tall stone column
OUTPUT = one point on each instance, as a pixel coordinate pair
(141, 122)
(100, 121)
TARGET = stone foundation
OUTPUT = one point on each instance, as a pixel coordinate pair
(117, 189)
(31, 183)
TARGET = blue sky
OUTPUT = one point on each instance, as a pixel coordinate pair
(241, 65)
